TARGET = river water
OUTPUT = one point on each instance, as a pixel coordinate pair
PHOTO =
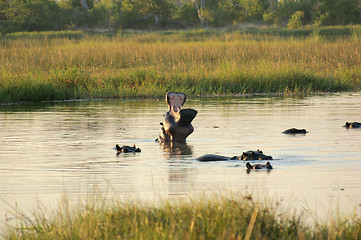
(53, 149)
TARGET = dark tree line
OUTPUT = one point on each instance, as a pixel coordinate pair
(41, 15)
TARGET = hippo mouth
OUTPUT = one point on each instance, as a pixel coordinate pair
(183, 117)
(175, 100)
(177, 122)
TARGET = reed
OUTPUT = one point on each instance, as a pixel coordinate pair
(216, 217)
(197, 62)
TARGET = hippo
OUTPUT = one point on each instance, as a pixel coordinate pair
(213, 158)
(352, 125)
(294, 131)
(176, 125)
(254, 155)
(259, 166)
(127, 149)
(246, 156)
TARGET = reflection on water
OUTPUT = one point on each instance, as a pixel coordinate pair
(49, 149)
(172, 149)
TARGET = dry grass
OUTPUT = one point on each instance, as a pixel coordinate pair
(149, 64)
(215, 217)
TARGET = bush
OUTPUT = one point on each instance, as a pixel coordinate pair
(296, 20)
(269, 17)
(187, 14)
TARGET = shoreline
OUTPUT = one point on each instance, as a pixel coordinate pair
(237, 95)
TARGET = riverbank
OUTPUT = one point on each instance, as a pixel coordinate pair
(214, 217)
(45, 67)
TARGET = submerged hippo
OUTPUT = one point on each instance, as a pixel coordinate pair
(295, 131)
(259, 166)
(127, 149)
(254, 155)
(213, 158)
(176, 126)
(246, 156)
(352, 125)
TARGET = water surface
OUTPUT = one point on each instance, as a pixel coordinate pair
(55, 148)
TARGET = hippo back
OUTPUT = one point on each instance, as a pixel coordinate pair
(212, 158)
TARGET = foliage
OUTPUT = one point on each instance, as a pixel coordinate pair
(40, 15)
(33, 15)
(269, 17)
(145, 13)
(339, 12)
(296, 20)
(254, 9)
(223, 13)
(187, 14)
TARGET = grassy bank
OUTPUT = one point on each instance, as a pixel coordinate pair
(219, 218)
(198, 62)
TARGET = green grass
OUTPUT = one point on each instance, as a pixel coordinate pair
(65, 65)
(213, 217)
(44, 35)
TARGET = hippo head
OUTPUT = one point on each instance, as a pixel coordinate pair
(177, 122)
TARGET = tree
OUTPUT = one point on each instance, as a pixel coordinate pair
(339, 11)
(296, 20)
(287, 8)
(254, 9)
(161, 9)
(269, 17)
(187, 14)
(4, 6)
(35, 15)
(106, 13)
(136, 13)
(223, 12)
(200, 9)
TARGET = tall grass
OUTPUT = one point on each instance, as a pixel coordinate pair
(213, 217)
(196, 62)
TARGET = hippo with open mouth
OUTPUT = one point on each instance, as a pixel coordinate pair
(176, 125)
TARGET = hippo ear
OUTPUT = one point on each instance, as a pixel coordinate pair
(175, 99)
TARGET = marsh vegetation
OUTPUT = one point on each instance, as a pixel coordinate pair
(213, 217)
(65, 65)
